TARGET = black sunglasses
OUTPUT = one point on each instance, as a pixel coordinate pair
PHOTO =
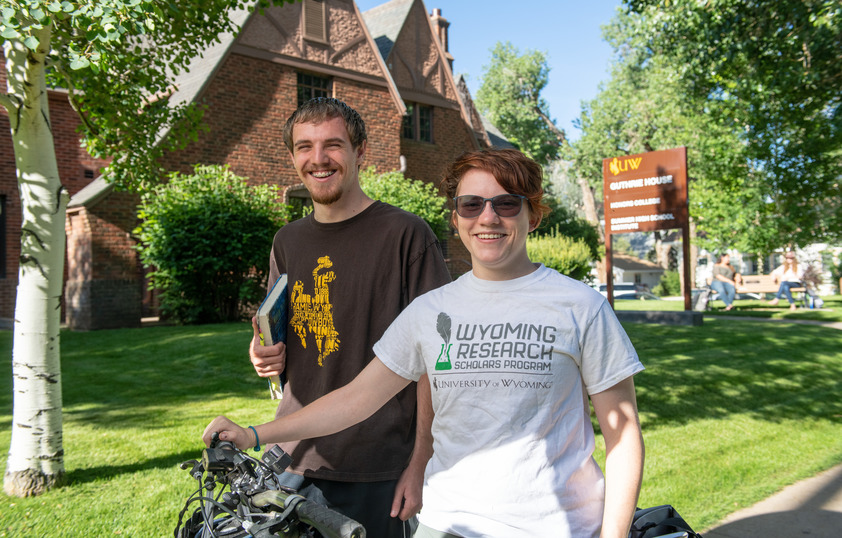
(470, 206)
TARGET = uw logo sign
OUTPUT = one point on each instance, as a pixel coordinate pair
(616, 166)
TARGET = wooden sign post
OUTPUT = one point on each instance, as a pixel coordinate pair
(642, 193)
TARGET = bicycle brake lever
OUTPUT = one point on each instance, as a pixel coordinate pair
(185, 464)
(197, 470)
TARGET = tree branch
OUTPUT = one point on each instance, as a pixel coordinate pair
(562, 139)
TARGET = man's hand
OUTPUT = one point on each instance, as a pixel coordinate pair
(243, 438)
(267, 360)
(407, 500)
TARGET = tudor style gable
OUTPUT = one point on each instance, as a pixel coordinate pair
(322, 38)
(283, 56)
(417, 62)
(437, 127)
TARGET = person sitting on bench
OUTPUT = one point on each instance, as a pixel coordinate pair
(723, 281)
(789, 275)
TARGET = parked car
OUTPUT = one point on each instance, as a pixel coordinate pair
(627, 290)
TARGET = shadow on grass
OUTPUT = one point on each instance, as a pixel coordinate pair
(774, 372)
(136, 369)
(108, 472)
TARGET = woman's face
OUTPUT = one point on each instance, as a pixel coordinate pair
(497, 244)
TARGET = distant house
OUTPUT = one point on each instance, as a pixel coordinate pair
(391, 63)
(631, 269)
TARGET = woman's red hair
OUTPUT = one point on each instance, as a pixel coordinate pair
(514, 171)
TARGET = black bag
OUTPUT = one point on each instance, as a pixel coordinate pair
(660, 521)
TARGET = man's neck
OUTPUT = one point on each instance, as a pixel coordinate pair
(350, 205)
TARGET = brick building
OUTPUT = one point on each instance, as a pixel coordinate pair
(390, 63)
(76, 169)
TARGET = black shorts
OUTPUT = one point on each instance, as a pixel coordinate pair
(368, 503)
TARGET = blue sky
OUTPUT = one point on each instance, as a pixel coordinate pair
(568, 31)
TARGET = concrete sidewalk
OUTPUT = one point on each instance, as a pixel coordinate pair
(812, 507)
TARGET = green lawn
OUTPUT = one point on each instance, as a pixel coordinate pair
(732, 411)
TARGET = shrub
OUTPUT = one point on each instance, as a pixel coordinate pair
(563, 221)
(811, 276)
(206, 237)
(669, 285)
(836, 273)
(568, 256)
(412, 195)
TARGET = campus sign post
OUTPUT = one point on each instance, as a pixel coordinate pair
(644, 193)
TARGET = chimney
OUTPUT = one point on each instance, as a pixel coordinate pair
(440, 26)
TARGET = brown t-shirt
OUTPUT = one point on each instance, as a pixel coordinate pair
(347, 282)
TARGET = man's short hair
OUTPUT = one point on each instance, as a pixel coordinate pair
(321, 109)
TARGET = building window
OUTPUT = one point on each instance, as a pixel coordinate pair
(299, 202)
(315, 20)
(418, 122)
(311, 86)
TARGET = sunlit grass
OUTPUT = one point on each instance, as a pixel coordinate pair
(732, 411)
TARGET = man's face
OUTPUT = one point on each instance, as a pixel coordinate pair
(325, 160)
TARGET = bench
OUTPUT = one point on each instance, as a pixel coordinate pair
(763, 284)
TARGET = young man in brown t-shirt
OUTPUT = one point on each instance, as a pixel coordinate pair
(352, 266)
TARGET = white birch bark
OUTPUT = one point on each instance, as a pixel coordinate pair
(36, 457)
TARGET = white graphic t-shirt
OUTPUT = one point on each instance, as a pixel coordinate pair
(511, 364)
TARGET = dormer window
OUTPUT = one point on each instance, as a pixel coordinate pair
(315, 20)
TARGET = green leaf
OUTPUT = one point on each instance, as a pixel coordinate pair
(79, 63)
(31, 42)
(10, 33)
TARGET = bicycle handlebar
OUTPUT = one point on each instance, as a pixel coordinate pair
(253, 483)
(328, 522)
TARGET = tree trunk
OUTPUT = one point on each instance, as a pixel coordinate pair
(589, 203)
(36, 457)
(662, 251)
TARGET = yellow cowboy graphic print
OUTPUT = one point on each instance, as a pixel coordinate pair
(314, 313)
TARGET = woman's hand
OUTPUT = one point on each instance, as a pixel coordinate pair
(243, 438)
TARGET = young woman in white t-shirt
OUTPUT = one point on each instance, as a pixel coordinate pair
(789, 274)
(514, 352)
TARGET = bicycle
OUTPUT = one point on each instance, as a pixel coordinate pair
(255, 505)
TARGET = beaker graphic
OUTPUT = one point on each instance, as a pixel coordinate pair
(443, 362)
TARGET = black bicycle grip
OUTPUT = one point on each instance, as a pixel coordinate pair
(328, 522)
